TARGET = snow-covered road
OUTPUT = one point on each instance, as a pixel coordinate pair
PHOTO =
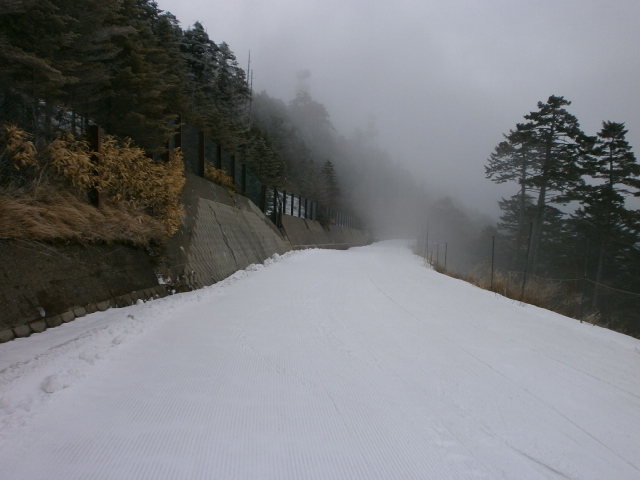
(358, 364)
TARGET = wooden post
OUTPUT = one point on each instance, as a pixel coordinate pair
(201, 154)
(95, 140)
(299, 205)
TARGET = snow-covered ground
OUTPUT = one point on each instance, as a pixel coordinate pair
(358, 364)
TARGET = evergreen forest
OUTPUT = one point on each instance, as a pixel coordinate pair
(573, 216)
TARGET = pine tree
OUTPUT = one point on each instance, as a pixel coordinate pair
(557, 135)
(542, 155)
(330, 192)
(515, 159)
(132, 106)
(603, 216)
(32, 34)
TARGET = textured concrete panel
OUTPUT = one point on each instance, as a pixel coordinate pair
(304, 233)
(298, 232)
(221, 238)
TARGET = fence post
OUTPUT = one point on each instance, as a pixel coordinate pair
(263, 198)
(299, 205)
(446, 248)
(201, 169)
(493, 256)
(284, 202)
(233, 170)
(178, 136)
(218, 163)
(274, 213)
(95, 140)
(243, 178)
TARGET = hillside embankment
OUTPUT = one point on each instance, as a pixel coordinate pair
(44, 285)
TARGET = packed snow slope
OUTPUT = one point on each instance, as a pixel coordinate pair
(358, 364)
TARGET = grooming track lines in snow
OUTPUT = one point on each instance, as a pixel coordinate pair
(358, 364)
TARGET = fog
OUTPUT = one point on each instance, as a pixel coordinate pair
(443, 80)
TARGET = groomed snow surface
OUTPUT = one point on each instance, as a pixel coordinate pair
(358, 364)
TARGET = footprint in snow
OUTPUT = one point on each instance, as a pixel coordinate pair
(52, 384)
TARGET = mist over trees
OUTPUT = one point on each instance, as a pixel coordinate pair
(571, 217)
(131, 68)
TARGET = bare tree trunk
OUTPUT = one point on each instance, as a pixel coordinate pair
(596, 290)
(538, 221)
(521, 215)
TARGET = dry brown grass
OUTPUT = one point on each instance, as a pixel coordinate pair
(44, 194)
(50, 215)
(220, 177)
(541, 292)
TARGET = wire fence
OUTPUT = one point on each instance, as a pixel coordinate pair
(201, 155)
(199, 152)
(280, 203)
(579, 297)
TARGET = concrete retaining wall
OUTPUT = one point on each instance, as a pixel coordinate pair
(221, 234)
(44, 286)
(303, 233)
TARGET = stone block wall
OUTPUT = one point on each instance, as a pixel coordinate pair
(43, 285)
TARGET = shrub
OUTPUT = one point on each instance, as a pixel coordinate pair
(218, 176)
(140, 195)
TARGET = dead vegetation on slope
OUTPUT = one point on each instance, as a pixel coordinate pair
(45, 192)
(541, 292)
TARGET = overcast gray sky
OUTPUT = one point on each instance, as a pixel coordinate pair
(444, 79)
